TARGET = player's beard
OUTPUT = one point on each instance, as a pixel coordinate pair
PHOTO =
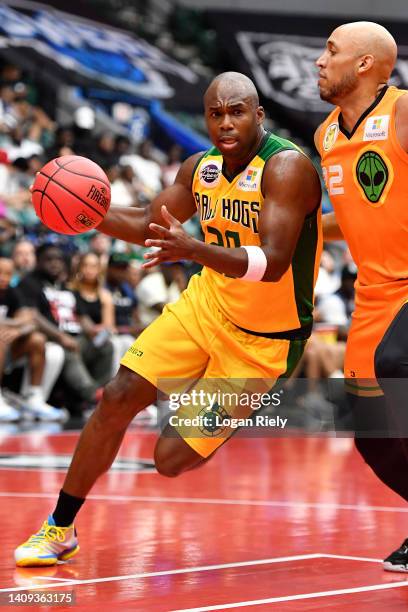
(339, 90)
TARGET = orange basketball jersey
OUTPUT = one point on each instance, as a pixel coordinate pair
(365, 172)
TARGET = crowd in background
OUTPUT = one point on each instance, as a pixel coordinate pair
(72, 305)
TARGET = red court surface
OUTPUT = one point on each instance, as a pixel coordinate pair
(267, 524)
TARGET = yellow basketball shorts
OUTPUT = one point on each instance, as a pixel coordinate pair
(192, 346)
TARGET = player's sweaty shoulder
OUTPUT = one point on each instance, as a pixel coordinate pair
(291, 178)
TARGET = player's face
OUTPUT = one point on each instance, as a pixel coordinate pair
(338, 65)
(233, 123)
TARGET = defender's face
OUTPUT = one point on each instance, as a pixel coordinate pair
(233, 123)
(338, 66)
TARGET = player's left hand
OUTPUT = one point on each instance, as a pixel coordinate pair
(174, 242)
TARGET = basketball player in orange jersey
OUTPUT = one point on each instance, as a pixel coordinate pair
(246, 316)
(363, 145)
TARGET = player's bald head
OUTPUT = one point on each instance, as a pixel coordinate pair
(369, 38)
(232, 84)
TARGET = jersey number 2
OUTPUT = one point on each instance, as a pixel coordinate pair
(333, 177)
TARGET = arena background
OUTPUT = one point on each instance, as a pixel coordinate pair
(300, 512)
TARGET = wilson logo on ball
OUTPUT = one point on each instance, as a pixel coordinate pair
(99, 196)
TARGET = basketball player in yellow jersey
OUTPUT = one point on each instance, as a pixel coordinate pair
(364, 155)
(246, 317)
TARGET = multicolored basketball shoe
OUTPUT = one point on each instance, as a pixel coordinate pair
(47, 546)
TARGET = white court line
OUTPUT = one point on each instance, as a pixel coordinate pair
(259, 602)
(187, 570)
(202, 568)
(56, 579)
(348, 558)
(215, 501)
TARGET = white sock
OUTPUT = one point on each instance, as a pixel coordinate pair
(35, 393)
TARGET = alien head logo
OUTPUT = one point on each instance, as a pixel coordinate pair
(372, 175)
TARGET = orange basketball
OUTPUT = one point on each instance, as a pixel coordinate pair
(71, 194)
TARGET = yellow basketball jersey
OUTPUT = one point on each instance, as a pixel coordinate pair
(365, 173)
(229, 213)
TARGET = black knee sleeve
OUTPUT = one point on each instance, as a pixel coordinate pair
(391, 356)
(386, 455)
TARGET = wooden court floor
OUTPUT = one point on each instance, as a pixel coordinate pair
(268, 524)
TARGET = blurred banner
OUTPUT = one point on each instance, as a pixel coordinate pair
(79, 51)
(279, 53)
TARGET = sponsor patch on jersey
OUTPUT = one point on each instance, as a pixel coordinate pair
(249, 180)
(330, 136)
(210, 173)
(376, 128)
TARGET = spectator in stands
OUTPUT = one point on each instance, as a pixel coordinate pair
(8, 230)
(158, 287)
(20, 338)
(36, 126)
(15, 182)
(100, 244)
(124, 186)
(328, 280)
(135, 274)
(64, 143)
(127, 323)
(169, 171)
(86, 367)
(104, 153)
(7, 118)
(23, 256)
(336, 308)
(146, 169)
(94, 302)
(18, 145)
(123, 145)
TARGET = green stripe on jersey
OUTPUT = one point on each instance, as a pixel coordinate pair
(303, 265)
(275, 144)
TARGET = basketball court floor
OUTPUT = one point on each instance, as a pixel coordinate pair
(268, 524)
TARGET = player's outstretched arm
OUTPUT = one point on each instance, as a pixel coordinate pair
(132, 224)
(331, 229)
(291, 188)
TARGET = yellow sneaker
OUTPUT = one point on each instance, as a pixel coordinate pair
(47, 546)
